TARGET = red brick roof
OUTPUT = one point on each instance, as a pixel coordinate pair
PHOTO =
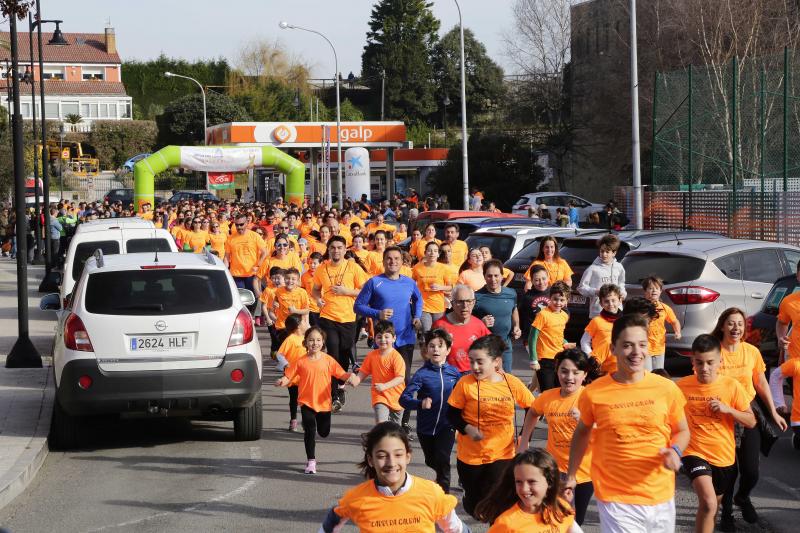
(58, 87)
(82, 48)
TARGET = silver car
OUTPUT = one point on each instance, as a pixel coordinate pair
(703, 277)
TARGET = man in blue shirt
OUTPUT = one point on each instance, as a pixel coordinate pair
(497, 307)
(393, 297)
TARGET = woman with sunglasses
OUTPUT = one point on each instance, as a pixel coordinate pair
(196, 239)
(216, 238)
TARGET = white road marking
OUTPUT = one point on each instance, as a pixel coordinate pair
(255, 455)
(780, 485)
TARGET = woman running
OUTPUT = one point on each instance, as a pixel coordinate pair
(557, 268)
(434, 281)
(471, 271)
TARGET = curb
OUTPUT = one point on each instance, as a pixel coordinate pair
(19, 477)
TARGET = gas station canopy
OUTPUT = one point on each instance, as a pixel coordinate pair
(307, 135)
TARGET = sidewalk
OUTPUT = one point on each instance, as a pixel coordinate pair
(26, 394)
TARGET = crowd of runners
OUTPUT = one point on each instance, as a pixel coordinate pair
(618, 428)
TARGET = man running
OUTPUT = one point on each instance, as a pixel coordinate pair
(244, 253)
(459, 248)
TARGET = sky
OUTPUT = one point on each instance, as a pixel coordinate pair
(206, 29)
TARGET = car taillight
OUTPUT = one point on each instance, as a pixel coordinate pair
(75, 335)
(85, 382)
(242, 331)
(691, 295)
(237, 375)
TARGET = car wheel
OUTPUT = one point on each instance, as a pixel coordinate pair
(247, 422)
(66, 431)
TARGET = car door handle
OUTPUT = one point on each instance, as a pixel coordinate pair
(757, 295)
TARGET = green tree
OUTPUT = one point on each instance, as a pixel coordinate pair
(483, 77)
(500, 165)
(400, 41)
(116, 141)
(182, 120)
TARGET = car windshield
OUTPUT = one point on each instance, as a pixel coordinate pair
(500, 245)
(133, 246)
(157, 292)
(529, 253)
(85, 250)
(580, 253)
(670, 268)
(781, 290)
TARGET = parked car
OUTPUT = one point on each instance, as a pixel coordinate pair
(703, 277)
(554, 200)
(126, 197)
(468, 226)
(760, 329)
(427, 217)
(155, 335)
(507, 241)
(128, 165)
(195, 196)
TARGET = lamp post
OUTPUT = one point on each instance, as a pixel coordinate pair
(30, 77)
(285, 25)
(464, 156)
(203, 92)
(445, 103)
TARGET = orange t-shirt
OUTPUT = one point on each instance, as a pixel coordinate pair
(338, 307)
(791, 369)
(284, 299)
(307, 282)
(267, 294)
(374, 263)
(197, 240)
(561, 425)
(599, 329)
(745, 365)
(551, 332)
(515, 520)
(490, 407)
(634, 421)
(292, 348)
(289, 261)
(243, 251)
(217, 241)
(459, 250)
(473, 280)
(314, 380)
(789, 313)
(406, 271)
(399, 236)
(372, 227)
(418, 250)
(712, 433)
(414, 511)
(385, 368)
(425, 276)
(558, 270)
(657, 333)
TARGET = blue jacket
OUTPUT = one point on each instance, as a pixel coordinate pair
(436, 383)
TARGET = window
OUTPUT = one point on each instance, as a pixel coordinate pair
(500, 245)
(85, 110)
(670, 268)
(70, 108)
(25, 109)
(124, 110)
(133, 246)
(93, 73)
(730, 266)
(761, 265)
(51, 109)
(103, 110)
(85, 250)
(792, 256)
(53, 73)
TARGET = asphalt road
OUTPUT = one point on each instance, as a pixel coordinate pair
(171, 475)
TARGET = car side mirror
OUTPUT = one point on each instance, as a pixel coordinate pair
(247, 297)
(50, 302)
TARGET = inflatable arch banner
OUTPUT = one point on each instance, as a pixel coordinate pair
(217, 159)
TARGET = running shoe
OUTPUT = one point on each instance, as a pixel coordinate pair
(311, 466)
(407, 430)
(336, 406)
(726, 523)
(362, 334)
(748, 511)
(293, 425)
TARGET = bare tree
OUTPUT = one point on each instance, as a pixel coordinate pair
(261, 58)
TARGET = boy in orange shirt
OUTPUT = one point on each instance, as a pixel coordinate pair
(307, 282)
(658, 331)
(288, 299)
(713, 404)
(546, 338)
(266, 298)
(388, 371)
(596, 340)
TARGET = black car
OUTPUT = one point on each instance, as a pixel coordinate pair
(126, 197)
(761, 326)
(194, 196)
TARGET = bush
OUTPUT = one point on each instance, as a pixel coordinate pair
(116, 141)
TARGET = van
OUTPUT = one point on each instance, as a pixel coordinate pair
(112, 236)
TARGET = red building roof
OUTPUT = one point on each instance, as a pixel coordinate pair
(59, 87)
(82, 48)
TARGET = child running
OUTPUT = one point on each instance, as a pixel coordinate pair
(483, 410)
(546, 338)
(289, 352)
(314, 373)
(390, 495)
(388, 370)
(559, 408)
(432, 384)
(526, 499)
(713, 404)
(604, 269)
(288, 299)
(596, 339)
(307, 282)
(657, 337)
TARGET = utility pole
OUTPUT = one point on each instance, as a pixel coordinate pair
(383, 90)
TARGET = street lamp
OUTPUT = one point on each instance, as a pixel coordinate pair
(445, 103)
(203, 91)
(284, 26)
(464, 157)
(638, 200)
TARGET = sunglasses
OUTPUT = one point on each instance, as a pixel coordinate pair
(281, 245)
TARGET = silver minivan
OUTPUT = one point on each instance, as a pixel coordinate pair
(703, 277)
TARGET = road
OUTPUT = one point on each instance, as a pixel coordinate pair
(169, 475)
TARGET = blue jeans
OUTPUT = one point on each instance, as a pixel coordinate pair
(508, 356)
(244, 283)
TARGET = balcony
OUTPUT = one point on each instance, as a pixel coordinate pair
(80, 127)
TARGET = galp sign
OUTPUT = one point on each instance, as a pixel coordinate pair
(356, 134)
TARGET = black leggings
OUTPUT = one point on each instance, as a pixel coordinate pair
(546, 375)
(314, 423)
(747, 461)
(293, 392)
(407, 352)
(583, 494)
(437, 449)
(478, 480)
(339, 343)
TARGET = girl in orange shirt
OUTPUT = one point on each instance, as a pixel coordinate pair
(290, 351)
(559, 407)
(557, 268)
(526, 499)
(471, 271)
(313, 374)
(428, 235)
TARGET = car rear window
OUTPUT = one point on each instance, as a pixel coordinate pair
(669, 267)
(580, 253)
(157, 292)
(85, 250)
(500, 245)
(779, 291)
(133, 246)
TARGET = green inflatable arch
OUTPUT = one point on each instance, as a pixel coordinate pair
(217, 159)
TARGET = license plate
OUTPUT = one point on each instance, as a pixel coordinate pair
(519, 277)
(160, 343)
(577, 299)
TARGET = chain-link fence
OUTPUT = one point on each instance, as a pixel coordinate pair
(726, 148)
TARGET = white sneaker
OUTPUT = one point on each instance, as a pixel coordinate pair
(311, 466)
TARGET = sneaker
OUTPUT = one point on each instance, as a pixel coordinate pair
(726, 523)
(407, 430)
(293, 425)
(362, 334)
(796, 441)
(311, 466)
(748, 511)
(336, 406)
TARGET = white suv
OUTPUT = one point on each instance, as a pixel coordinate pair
(149, 334)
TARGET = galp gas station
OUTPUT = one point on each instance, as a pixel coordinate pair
(297, 159)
